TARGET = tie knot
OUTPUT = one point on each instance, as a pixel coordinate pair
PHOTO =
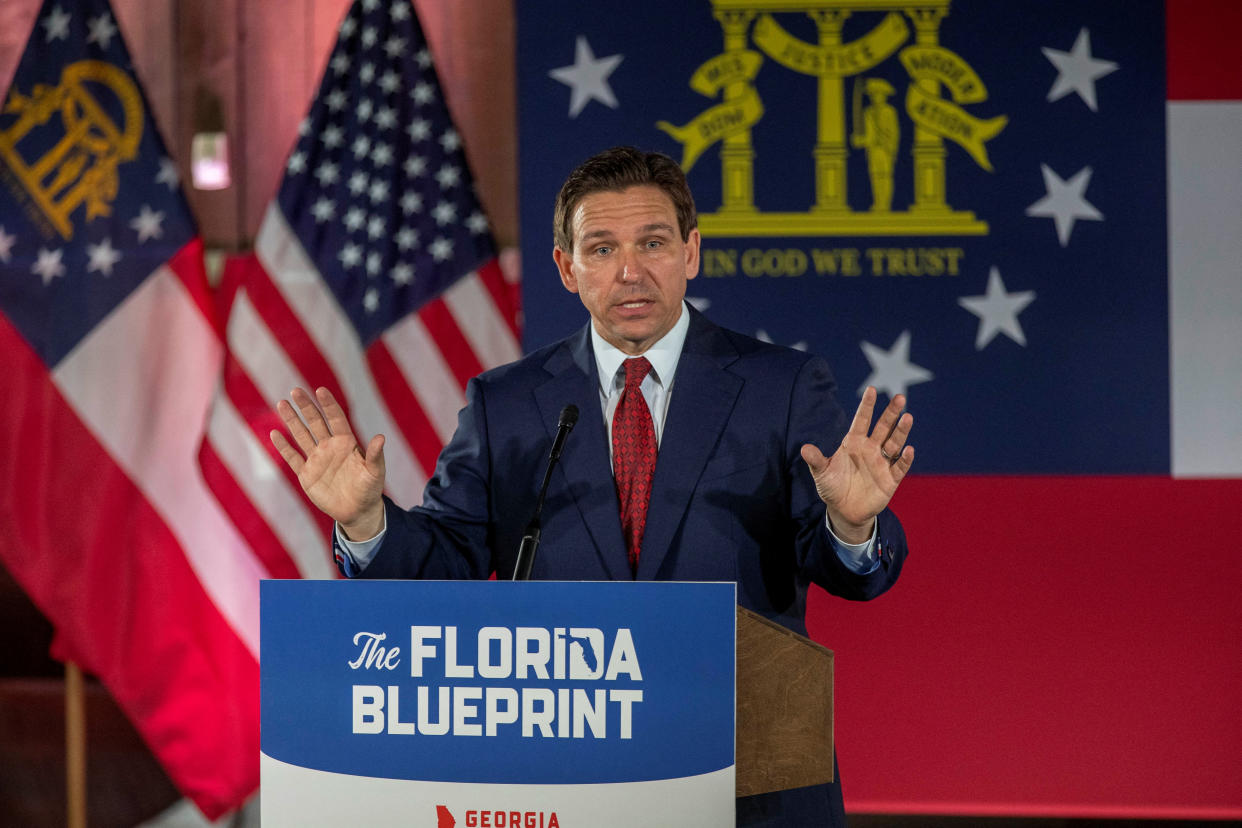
(636, 370)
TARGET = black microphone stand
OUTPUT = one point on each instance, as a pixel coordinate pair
(530, 541)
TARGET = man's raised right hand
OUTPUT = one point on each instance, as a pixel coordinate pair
(338, 478)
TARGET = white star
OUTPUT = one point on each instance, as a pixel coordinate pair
(399, 10)
(441, 249)
(358, 182)
(1077, 71)
(351, 255)
(393, 46)
(450, 140)
(361, 147)
(407, 237)
(892, 371)
(371, 300)
(297, 163)
(340, 63)
(402, 274)
(1064, 202)
(587, 78)
(355, 218)
(386, 117)
(411, 202)
(348, 26)
(423, 58)
(364, 110)
(323, 210)
(762, 336)
(148, 224)
(997, 311)
(378, 191)
(444, 213)
(57, 24)
(101, 30)
(367, 73)
(422, 93)
(49, 265)
(390, 82)
(476, 223)
(382, 155)
(374, 262)
(102, 257)
(414, 166)
(376, 227)
(327, 173)
(448, 176)
(333, 137)
(419, 129)
(337, 99)
(6, 245)
(369, 36)
(168, 174)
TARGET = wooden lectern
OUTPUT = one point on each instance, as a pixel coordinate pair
(784, 708)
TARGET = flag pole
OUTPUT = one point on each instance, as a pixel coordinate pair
(75, 747)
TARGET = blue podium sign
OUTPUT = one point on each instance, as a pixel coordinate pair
(497, 704)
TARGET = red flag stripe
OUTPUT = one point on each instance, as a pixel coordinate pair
(241, 511)
(285, 329)
(411, 417)
(481, 322)
(505, 295)
(262, 419)
(458, 354)
(1201, 40)
(420, 357)
(255, 479)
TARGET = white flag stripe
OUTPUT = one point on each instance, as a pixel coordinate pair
(291, 271)
(257, 351)
(147, 411)
(1205, 288)
(425, 371)
(481, 322)
(268, 490)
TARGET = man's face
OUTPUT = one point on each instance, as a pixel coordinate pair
(629, 265)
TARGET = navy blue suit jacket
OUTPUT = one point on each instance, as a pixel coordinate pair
(732, 499)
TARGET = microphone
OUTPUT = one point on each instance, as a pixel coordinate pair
(530, 541)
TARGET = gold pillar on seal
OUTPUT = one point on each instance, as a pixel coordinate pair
(928, 152)
(737, 169)
(830, 150)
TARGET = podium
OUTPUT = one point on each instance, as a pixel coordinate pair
(784, 708)
(516, 705)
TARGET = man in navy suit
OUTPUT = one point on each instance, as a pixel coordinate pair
(735, 484)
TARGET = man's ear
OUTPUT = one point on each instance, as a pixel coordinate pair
(565, 265)
(692, 246)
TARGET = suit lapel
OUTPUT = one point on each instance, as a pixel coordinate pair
(704, 394)
(585, 460)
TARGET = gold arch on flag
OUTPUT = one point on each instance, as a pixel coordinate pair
(81, 167)
(730, 75)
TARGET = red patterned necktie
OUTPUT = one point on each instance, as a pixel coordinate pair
(633, 456)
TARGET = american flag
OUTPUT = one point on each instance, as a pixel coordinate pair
(374, 273)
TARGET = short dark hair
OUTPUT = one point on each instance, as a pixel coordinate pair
(618, 169)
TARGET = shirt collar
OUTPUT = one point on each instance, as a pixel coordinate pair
(663, 355)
